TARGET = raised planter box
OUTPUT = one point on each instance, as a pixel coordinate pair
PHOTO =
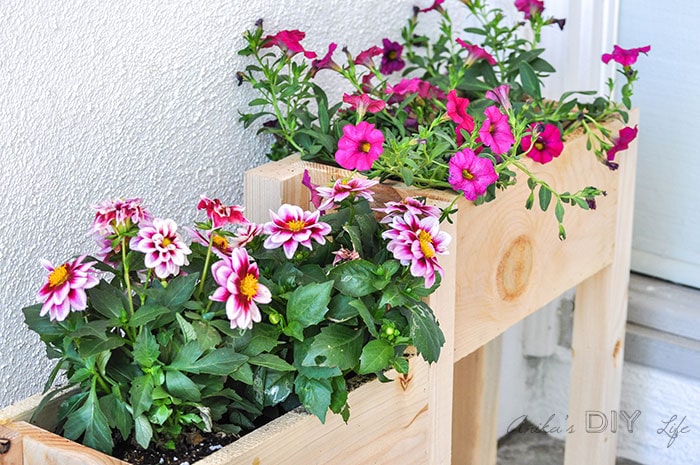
(505, 262)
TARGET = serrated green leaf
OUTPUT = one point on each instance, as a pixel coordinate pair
(140, 394)
(366, 316)
(143, 431)
(90, 422)
(336, 346)
(107, 300)
(90, 346)
(187, 329)
(272, 362)
(376, 356)
(262, 338)
(146, 314)
(309, 304)
(354, 278)
(119, 416)
(314, 394)
(179, 385)
(179, 291)
(146, 349)
(425, 331)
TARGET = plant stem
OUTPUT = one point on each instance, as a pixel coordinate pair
(206, 266)
(127, 279)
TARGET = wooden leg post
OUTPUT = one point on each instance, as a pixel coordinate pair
(475, 406)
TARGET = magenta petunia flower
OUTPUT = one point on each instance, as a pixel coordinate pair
(292, 226)
(165, 250)
(344, 188)
(476, 53)
(405, 87)
(238, 278)
(409, 204)
(495, 131)
(471, 174)
(622, 141)
(623, 56)
(221, 214)
(500, 95)
(326, 62)
(113, 215)
(437, 6)
(547, 144)
(306, 182)
(366, 57)
(457, 112)
(359, 146)
(418, 242)
(289, 42)
(391, 58)
(65, 287)
(530, 7)
(363, 103)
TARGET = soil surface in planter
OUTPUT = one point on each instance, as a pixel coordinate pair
(197, 446)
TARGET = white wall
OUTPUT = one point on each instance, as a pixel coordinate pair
(102, 99)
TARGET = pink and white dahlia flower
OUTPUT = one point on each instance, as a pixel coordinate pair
(112, 215)
(292, 226)
(163, 246)
(240, 288)
(409, 204)
(344, 188)
(65, 288)
(418, 242)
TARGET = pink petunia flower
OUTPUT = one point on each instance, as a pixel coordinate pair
(289, 42)
(622, 141)
(547, 144)
(366, 57)
(476, 53)
(437, 6)
(363, 103)
(418, 242)
(344, 188)
(471, 174)
(530, 7)
(306, 182)
(422, 88)
(409, 204)
(163, 246)
(495, 131)
(65, 287)
(113, 215)
(292, 226)
(457, 112)
(500, 95)
(326, 62)
(221, 214)
(238, 278)
(391, 58)
(359, 146)
(625, 57)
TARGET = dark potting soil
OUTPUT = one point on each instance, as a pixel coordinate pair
(197, 446)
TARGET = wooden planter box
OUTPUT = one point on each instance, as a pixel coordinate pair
(505, 263)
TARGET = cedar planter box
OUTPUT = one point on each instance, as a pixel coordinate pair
(505, 262)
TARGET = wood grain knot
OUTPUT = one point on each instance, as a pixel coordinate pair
(514, 269)
(5, 445)
(616, 351)
(404, 381)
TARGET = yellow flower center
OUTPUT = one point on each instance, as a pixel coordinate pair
(296, 225)
(249, 286)
(58, 276)
(365, 146)
(166, 242)
(467, 175)
(539, 145)
(391, 55)
(426, 244)
(219, 242)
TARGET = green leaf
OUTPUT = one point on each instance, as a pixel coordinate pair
(179, 291)
(187, 329)
(376, 356)
(107, 300)
(340, 309)
(425, 332)
(271, 361)
(407, 175)
(222, 361)
(308, 304)
(294, 329)
(545, 196)
(179, 385)
(146, 314)
(263, 338)
(143, 431)
(336, 346)
(89, 346)
(531, 83)
(354, 278)
(392, 296)
(366, 316)
(315, 394)
(559, 212)
(146, 349)
(90, 422)
(140, 394)
(119, 416)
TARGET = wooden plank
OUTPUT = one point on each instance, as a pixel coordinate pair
(475, 404)
(11, 447)
(40, 447)
(599, 334)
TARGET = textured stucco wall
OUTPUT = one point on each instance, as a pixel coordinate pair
(101, 99)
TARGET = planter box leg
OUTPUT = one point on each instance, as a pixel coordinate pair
(475, 406)
(598, 341)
